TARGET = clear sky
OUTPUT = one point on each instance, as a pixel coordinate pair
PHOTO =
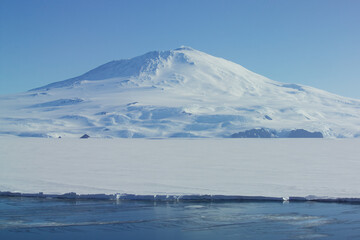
(310, 42)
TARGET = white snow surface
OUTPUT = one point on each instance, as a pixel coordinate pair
(326, 168)
(176, 93)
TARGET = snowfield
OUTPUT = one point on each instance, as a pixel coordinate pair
(311, 168)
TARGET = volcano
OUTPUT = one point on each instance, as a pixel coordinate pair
(177, 93)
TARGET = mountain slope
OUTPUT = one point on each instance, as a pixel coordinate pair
(176, 93)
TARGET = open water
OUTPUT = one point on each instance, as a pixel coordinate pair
(37, 218)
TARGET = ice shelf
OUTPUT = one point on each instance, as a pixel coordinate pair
(170, 169)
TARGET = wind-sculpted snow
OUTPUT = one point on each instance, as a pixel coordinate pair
(293, 86)
(175, 93)
(77, 119)
(57, 103)
(114, 119)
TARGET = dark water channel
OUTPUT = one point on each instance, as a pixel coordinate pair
(36, 218)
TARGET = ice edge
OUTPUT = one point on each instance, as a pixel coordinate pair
(124, 196)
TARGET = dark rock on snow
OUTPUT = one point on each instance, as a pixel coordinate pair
(301, 133)
(269, 133)
(85, 136)
(254, 133)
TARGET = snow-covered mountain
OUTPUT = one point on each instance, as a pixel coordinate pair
(176, 93)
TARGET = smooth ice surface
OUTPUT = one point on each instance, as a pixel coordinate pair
(248, 167)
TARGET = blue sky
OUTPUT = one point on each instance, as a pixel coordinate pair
(311, 42)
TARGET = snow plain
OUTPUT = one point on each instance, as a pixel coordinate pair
(325, 168)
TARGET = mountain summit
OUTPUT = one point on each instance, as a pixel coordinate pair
(176, 93)
(181, 68)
